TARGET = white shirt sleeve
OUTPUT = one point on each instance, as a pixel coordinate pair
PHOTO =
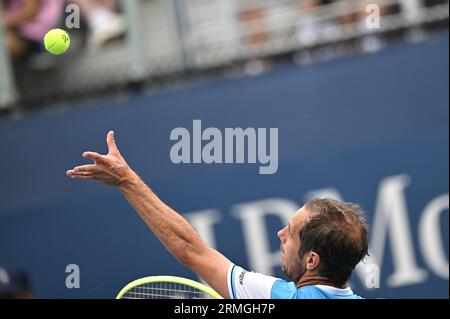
(243, 284)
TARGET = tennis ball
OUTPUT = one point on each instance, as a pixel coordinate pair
(57, 41)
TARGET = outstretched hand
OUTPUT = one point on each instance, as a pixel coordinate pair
(111, 169)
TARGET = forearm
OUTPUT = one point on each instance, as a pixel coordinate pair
(177, 235)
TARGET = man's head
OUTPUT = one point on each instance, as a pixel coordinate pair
(325, 238)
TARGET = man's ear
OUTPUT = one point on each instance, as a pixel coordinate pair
(312, 261)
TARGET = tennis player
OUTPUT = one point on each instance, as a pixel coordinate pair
(321, 245)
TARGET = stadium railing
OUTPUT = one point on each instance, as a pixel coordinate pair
(170, 37)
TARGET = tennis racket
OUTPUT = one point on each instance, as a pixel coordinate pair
(167, 287)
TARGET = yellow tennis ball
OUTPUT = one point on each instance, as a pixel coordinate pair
(57, 41)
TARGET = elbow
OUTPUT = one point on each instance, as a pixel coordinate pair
(187, 255)
(184, 258)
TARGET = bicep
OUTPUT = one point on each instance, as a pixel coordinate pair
(229, 280)
(213, 267)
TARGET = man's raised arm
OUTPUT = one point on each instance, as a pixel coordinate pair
(176, 234)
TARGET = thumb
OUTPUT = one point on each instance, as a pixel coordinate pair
(112, 148)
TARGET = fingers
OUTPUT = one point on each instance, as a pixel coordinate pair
(74, 172)
(101, 162)
(85, 168)
(112, 147)
(96, 157)
(86, 174)
(81, 175)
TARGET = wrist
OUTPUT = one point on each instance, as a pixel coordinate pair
(129, 180)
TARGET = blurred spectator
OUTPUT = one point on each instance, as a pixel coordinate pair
(253, 25)
(14, 284)
(311, 28)
(27, 21)
(315, 26)
(103, 20)
(253, 20)
(410, 9)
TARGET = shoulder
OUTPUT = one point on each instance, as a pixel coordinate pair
(282, 289)
(243, 284)
(287, 290)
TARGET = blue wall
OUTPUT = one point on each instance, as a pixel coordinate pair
(349, 125)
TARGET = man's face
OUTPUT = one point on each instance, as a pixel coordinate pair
(291, 264)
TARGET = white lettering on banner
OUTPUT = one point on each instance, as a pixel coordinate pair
(233, 142)
(391, 226)
(391, 218)
(372, 276)
(430, 236)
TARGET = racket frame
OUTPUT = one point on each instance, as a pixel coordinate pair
(171, 279)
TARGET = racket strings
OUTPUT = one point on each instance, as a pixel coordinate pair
(165, 290)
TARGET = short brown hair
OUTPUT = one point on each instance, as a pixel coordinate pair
(338, 233)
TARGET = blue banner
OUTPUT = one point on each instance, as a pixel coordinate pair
(371, 129)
